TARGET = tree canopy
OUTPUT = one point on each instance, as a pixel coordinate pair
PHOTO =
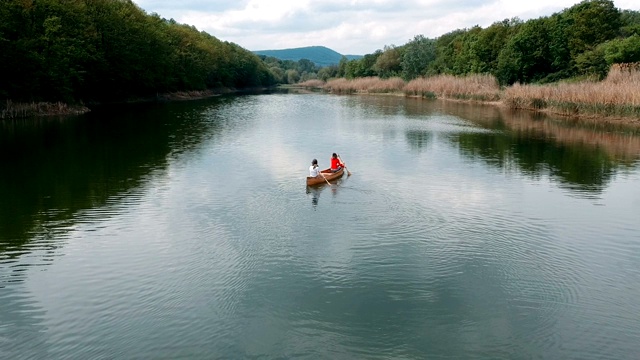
(106, 50)
(111, 50)
(585, 39)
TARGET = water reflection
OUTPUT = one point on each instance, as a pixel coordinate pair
(403, 263)
(579, 156)
(418, 139)
(315, 191)
(619, 142)
(52, 168)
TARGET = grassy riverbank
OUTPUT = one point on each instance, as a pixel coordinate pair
(12, 110)
(15, 110)
(618, 95)
(616, 98)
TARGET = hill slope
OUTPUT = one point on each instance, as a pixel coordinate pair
(320, 55)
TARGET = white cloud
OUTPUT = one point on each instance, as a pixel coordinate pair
(347, 26)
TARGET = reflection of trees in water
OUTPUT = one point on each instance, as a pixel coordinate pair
(589, 168)
(577, 154)
(619, 141)
(53, 169)
(389, 105)
(583, 154)
(418, 139)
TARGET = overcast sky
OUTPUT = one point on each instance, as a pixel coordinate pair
(350, 27)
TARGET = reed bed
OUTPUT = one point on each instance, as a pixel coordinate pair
(480, 87)
(312, 83)
(616, 138)
(187, 95)
(365, 85)
(617, 95)
(13, 110)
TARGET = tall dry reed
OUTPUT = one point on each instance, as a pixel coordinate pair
(617, 95)
(365, 85)
(12, 110)
(472, 87)
(312, 83)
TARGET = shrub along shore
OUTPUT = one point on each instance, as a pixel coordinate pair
(12, 110)
(616, 98)
(15, 110)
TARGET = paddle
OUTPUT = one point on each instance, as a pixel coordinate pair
(345, 166)
(325, 179)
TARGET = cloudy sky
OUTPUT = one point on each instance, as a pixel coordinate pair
(347, 26)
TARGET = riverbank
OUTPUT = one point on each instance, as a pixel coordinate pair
(16, 110)
(615, 100)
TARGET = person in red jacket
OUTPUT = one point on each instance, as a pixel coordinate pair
(336, 164)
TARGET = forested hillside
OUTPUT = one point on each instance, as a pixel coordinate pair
(583, 40)
(111, 50)
(106, 50)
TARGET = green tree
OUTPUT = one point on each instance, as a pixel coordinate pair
(342, 66)
(622, 50)
(328, 72)
(362, 67)
(292, 76)
(103, 50)
(278, 74)
(630, 23)
(592, 62)
(305, 65)
(488, 44)
(418, 54)
(599, 60)
(447, 47)
(388, 63)
(591, 22)
(526, 56)
(464, 58)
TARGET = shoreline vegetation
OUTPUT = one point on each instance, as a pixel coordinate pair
(15, 110)
(64, 55)
(614, 99)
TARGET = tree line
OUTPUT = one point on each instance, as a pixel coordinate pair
(291, 72)
(583, 40)
(111, 50)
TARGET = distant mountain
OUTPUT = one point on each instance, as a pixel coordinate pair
(320, 55)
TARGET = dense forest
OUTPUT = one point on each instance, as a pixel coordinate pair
(92, 51)
(291, 72)
(111, 50)
(583, 40)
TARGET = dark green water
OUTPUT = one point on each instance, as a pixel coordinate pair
(185, 230)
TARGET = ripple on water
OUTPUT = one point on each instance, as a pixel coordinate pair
(209, 258)
(545, 278)
(395, 223)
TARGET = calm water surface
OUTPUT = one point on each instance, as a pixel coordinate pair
(185, 230)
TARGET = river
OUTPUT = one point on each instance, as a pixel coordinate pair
(186, 230)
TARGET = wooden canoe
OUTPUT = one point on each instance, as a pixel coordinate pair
(327, 174)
